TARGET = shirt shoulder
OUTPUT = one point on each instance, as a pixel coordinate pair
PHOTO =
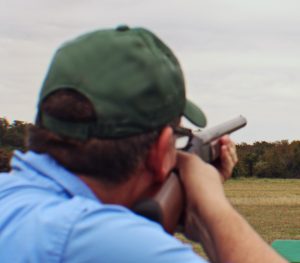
(115, 234)
(40, 217)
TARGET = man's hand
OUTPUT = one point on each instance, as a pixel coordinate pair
(228, 157)
(210, 218)
(201, 180)
(203, 186)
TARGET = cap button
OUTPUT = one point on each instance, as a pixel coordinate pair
(122, 28)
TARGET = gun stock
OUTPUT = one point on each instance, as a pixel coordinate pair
(167, 206)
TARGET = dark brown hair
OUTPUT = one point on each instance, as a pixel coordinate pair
(110, 160)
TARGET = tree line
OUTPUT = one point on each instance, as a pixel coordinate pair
(12, 137)
(280, 159)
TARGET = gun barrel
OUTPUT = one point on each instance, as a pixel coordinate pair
(210, 134)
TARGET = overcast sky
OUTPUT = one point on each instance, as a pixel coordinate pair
(238, 56)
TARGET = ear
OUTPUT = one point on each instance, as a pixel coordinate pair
(162, 155)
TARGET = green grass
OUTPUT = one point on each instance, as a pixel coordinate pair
(271, 206)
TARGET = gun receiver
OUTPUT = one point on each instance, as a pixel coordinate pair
(167, 206)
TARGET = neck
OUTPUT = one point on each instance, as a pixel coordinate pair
(125, 194)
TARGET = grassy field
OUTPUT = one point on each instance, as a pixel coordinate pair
(271, 206)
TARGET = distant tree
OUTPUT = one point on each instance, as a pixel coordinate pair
(241, 168)
(250, 160)
(4, 124)
(248, 156)
(5, 156)
(15, 135)
(279, 159)
(11, 138)
(295, 166)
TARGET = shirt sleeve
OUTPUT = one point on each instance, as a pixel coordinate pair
(114, 234)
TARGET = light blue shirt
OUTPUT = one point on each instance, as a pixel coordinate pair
(47, 214)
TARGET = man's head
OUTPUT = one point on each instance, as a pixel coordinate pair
(131, 77)
(112, 86)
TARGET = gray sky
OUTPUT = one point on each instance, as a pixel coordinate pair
(239, 56)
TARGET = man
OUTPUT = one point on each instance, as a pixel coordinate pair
(104, 139)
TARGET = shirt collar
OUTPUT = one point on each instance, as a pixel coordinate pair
(44, 165)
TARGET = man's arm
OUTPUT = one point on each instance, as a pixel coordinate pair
(226, 234)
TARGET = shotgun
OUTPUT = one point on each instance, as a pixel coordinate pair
(167, 206)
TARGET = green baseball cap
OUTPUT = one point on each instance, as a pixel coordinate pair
(132, 79)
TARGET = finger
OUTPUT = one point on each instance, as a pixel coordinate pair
(228, 161)
(232, 153)
(226, 141)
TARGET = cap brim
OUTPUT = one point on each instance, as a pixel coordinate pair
(194, 114)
